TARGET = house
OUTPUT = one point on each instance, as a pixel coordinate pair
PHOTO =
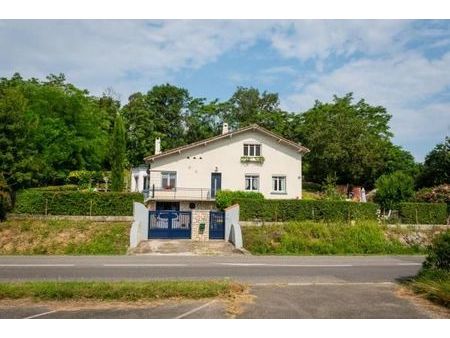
(187, 178)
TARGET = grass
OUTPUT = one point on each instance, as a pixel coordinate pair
(117, 291)
(433, 284)
(63, 237)
(320, 238)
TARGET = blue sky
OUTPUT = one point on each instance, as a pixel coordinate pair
(403, 65)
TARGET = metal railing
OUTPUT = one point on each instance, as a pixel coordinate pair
(177, 193)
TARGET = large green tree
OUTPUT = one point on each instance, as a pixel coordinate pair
(350, 140)
(436, 168)
(118, 155)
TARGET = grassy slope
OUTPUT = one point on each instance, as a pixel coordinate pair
(310, 238)
(63, 237)
(122, 290)
(434, 285)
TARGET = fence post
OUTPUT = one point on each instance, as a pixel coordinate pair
(417, 217)
(90, 208)
(46, 206)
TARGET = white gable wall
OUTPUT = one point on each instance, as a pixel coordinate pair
(225, 155)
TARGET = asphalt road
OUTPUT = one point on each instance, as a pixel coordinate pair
(251, 269)
(280, 287)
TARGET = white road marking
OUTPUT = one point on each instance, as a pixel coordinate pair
(143, 265)
(324, 283)
(41, 314)
(407, 264)
(37, 265)
(194, 310)
(288, 265)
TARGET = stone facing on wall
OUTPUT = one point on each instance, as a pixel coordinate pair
(200, 216)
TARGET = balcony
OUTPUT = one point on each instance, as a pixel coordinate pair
(177, 193)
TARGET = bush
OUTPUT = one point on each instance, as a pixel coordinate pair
(423, 213)
(67, 187)
(226, 198)
(5, 198)
(439, 194)
(298, 210)
(439, 253)
(393, 189)
(36, 201)
(311, 187)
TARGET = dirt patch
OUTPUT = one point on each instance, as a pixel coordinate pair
(239, 297)
(435, 310)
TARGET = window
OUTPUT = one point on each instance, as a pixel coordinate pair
(252, 150)
(145, 182)
(136, 183)
(279, 183)
(169, 179)
(251, 182)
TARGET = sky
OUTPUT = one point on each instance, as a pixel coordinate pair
(403, 65)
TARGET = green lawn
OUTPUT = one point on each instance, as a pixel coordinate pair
(433, 284)
(63, 237)
(320, 238)
(121, 291)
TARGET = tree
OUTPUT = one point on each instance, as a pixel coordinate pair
(436, 168)
(5, 198)
(393, 189)
(347, 139)
(118, 155)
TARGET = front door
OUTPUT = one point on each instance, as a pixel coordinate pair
(216, 183)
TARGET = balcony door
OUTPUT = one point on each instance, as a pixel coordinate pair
(216, 183)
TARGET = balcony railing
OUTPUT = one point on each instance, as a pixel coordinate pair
(177, 193)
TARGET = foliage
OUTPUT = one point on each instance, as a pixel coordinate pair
(439, 194)
(318, 238)
(85, 179)
(299, 210)
(311, 187)
(329, 189)
(393, 189)
(434, 284)
(436, 169)
(117, 290)
(118, 153)
(423, 213)
(5, 198)
(439, 253)
(252, 159)
(48, 128)
(351, 140)
(35, 201)
(225, 198)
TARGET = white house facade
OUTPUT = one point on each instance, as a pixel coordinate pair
(248, 159)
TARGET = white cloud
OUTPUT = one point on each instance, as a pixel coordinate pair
(403, 84)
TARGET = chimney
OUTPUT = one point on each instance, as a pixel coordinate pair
(224, 128)
(157, 146)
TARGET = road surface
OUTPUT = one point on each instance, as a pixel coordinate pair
(280, 287)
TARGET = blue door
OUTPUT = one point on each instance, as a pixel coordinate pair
(217, 225)
(216, 183)
(169, 224)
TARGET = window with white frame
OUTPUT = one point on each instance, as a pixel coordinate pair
(251, 182)
(279, 184)
(252, 149)
(169, 179)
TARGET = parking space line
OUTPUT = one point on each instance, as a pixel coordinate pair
(36, 265)
(194, 310)
(41, 314)
(323, 283)
(142, 265)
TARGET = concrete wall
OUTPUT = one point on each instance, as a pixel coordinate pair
(233, 232)
(199, 216)
(194, 166)
(139, 228)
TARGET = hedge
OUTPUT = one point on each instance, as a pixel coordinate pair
(423, 213)
(225, 198)
(37, 201)
(299, 210)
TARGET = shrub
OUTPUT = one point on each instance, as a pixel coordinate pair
(439, 252)
(5, 198)
(439, 194)
(311, 186)
(225, 198)
(393, 189)
(423, 213)
(66, 187)
(290, 210)
(36, 201)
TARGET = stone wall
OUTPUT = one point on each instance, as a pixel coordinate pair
(200, 216)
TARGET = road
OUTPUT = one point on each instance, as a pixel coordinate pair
(280, 287)
(251, 269)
